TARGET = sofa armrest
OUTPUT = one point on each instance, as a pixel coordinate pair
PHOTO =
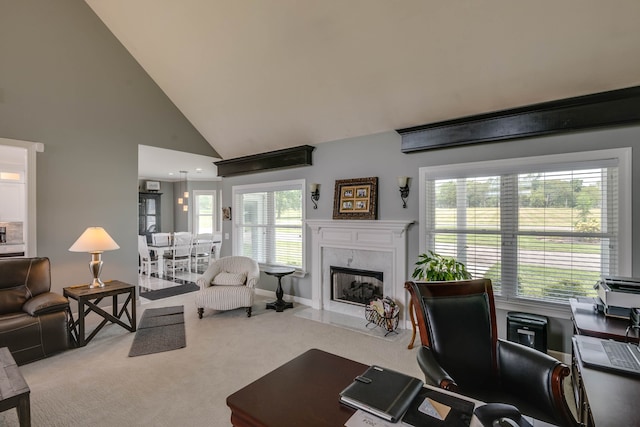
(434, 374)
(47, 302)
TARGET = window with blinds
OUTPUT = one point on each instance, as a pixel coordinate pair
(540, 228)
(268, 223)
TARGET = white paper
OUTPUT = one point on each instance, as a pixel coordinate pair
(365, 419)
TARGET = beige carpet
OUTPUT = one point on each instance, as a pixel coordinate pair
(99, 385)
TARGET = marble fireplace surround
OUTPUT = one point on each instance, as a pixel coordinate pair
(379, 245)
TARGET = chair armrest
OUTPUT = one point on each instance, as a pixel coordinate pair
(212, 271)
(47, 302)
(434, 374)
(533, 375)
(252, 282)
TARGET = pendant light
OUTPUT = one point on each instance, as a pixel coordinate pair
(184, 200)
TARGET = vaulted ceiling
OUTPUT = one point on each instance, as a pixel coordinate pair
(259, 75)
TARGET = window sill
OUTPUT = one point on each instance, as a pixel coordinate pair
(558, 311)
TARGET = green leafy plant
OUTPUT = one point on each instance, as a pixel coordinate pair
(433, 267)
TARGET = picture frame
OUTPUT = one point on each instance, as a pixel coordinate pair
(356, 198)
(226, 213)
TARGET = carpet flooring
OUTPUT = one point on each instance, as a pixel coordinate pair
(160, 329)
(100, 386)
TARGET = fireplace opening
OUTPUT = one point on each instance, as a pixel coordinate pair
(357, 287)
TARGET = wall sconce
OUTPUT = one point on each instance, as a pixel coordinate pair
(403, 183)
(314, 189)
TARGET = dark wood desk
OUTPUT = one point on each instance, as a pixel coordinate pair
(602, 398)
(605, 399)
(91, 297)
(587, 321)
(302, 392)
(305, 392)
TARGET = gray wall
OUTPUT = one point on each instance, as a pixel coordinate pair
(379, 155)
(67, 82)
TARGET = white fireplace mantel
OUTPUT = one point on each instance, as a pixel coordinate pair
(386, 236)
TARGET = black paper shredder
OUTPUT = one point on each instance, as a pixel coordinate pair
(527, 329)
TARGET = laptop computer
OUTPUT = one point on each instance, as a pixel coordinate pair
(609, 355)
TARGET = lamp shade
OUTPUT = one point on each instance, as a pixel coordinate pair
(94, 239)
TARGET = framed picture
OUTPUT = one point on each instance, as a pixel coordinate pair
(226, 213)
(356, 198)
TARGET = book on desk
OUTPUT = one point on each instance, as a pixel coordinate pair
(382, 392)
(395, 396)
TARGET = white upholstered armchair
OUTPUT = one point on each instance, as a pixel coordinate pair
(227, 284)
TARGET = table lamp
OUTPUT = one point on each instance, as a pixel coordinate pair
(94, 240)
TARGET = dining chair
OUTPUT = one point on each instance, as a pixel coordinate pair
(147, 260)
(217, 246)
(161, 239)
(201, 250)
(179, 256)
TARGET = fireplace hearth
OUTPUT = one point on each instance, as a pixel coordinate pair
(354, 286)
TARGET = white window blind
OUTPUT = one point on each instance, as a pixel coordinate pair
(539, 228)
(268, 223)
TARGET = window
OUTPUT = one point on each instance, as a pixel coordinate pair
(541, 228)
(204, 212)
(267, 223)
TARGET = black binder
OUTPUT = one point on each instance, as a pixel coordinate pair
(382, 392)
(459, 415)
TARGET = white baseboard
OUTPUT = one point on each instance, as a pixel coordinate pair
(272, 294)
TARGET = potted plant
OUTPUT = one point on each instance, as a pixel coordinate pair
(433, 267)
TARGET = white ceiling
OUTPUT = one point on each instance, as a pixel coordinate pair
(259, 75)
(165, 165)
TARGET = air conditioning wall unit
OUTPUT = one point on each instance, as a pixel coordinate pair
(152, 185)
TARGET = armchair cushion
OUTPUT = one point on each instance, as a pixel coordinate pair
(45, 303)
(230, 279)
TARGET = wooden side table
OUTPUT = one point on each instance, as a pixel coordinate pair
(91, 297)
(14, 391)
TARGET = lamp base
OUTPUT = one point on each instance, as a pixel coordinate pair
(96, 283)
(95, 266)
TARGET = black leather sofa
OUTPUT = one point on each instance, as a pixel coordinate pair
(33, 320)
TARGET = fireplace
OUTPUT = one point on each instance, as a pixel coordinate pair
(377, 245)
(354, 286)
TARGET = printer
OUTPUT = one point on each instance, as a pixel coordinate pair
(618, 295)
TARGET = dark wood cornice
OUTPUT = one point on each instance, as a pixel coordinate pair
(279, 159)
(612, 108)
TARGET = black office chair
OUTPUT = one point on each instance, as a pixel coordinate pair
(461, 352)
